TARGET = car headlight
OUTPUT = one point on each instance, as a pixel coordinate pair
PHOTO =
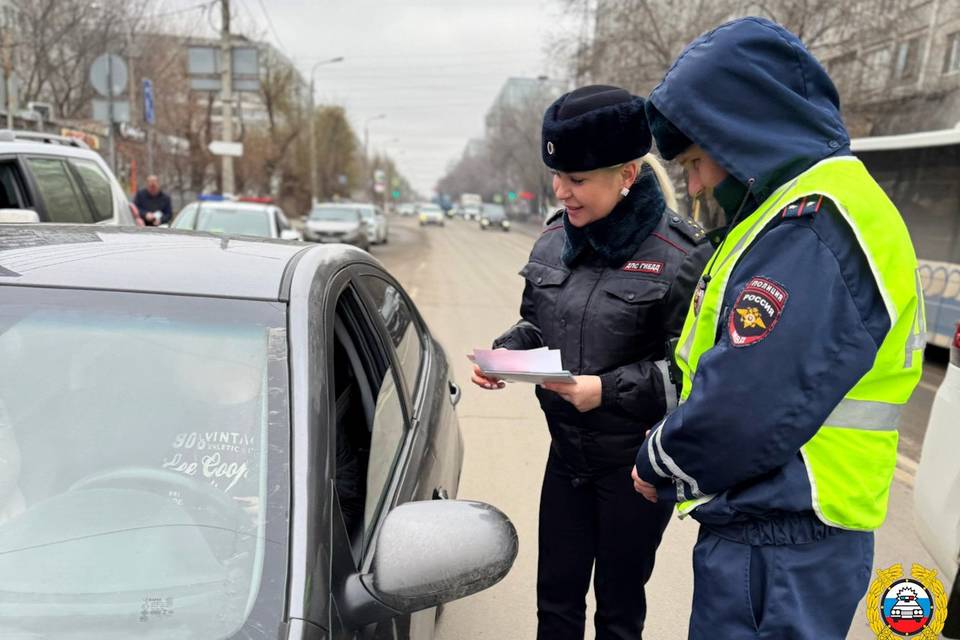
(485, 222)
(506, 224)
(423, 217)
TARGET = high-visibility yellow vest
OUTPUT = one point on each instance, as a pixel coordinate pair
(851, 459)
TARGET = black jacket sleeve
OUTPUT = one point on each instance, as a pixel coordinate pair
(525, 334)
(646, 388)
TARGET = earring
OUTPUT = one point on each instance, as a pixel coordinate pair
(625, 191)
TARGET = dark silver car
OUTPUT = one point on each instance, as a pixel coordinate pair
(206, 437)
(341, 223)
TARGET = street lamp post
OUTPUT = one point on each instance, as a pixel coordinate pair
(366, 139)
(313, 131)
(366, 134)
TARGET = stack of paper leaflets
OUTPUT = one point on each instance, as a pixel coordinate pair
(533, 365)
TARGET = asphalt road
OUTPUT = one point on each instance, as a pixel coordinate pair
(465, 283)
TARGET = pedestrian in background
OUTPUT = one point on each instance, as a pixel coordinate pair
(804, 342)
(153, 204)
(608, 284)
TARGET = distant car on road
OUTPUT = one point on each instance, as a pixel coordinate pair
(407, 209)
(378, 230)
(213, 437)
(472, 211)
(60, 179)
(336, 223)
(494, 217)
(937, 485)
(431, 214)
(236, 218)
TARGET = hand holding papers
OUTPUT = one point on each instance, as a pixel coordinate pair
(534, 365)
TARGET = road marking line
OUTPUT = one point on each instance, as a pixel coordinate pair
(903, 476)
(929, 386)
(907, 463)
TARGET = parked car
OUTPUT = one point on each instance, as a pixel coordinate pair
(378, 231)
(236, 218)
(336, 223)
(494, 217)
(937, 485)
(431, 214)
(406, 209)
(225, 438)
(60, 179)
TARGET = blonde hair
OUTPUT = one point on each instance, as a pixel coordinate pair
(663, 179)
(666, 184)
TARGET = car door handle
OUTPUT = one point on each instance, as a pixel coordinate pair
(455, 393)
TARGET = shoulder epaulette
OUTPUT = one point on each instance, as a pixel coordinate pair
(807, 206)
(556, 215)
(687, 227)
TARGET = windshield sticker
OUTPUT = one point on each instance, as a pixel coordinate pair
(156, 607)
(219, 456)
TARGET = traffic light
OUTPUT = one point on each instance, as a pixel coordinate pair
(511, 196)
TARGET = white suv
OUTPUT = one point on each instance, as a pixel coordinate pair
(935, 495)
(60, 179)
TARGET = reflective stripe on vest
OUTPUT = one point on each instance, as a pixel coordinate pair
(851, 458)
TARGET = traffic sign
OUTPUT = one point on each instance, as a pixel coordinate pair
(108, 75)
(148, 113)
(103, 112)
(222, 148)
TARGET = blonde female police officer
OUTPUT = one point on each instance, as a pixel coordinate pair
(607, 283)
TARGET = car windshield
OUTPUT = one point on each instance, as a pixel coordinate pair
(245, 222)
(493, 213)
(332, 214)
(430, 208)
(143, 486)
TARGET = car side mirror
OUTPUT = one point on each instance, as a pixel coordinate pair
(428, 553)
(19, 216)
(289, 234)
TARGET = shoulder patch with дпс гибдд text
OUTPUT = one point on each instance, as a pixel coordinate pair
(756, 312)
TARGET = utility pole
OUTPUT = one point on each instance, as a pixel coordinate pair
(9, 85)
(313, 131)
(226, 95)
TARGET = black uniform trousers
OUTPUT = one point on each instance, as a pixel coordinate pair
(597, 519)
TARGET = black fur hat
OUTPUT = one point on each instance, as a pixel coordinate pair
(594, 127)
(671, 142)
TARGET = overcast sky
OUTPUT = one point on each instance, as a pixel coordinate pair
(432, 67)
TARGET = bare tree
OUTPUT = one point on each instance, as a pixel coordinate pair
(59, 40)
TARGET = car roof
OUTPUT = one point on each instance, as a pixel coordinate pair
(237, 206)
(42, 148)
(145, 260)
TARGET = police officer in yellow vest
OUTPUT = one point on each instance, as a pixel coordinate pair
(802, 343)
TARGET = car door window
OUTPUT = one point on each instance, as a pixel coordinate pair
(396, 314)
(98, 188)
(61, 196)
(11, 189)
(371, 421)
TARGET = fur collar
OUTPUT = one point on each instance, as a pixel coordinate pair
(615, 238)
